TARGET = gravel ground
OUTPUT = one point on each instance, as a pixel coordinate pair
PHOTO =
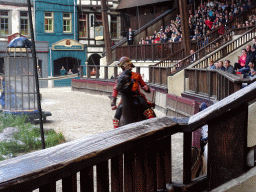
(77, 114)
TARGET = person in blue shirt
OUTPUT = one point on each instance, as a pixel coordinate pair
(63, 71)
(220, 66)
(211, 65)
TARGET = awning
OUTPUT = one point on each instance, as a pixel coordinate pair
(125, 4)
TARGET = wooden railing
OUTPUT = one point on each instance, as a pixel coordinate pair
(136, 149)
(172, 105)
(205, 44)
(148, 52)
(226, 49)
(241, 18)
(212, 84)
(162, 17)
(160, 71)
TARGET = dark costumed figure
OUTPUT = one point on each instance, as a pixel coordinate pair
(134, 106)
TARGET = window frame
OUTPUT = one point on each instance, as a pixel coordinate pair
(86, 24)
(113, 22)
(25, 18)
(49, 18)
(8, 17)
(67, 19)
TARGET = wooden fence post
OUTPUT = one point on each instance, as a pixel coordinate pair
(227, 146)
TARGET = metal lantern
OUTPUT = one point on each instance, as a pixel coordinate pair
(20, 90)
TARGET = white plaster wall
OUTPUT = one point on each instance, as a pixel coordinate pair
(176, 83)
(91, 28)
(251, 141)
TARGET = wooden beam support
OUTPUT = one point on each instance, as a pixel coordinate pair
(185, 27)
(227, 146)
(106, 31)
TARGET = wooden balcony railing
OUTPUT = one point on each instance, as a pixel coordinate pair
(160, 71)
(212, 84)
(207, 44)
(136, 149)
(165, 52)
(226, 49)
(149, 52)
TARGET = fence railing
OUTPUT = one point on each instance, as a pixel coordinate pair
(209, 41)
(213, 84)
(148, 52)
(123, 156)
(159, 72)
(228, 48)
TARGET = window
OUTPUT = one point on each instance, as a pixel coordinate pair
(66, 22)
(4, 23)
(98, 20)
(48, 22)
(83, 25)
(113, 26)
(24, 26)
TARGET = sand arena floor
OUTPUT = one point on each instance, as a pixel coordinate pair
(78, 114)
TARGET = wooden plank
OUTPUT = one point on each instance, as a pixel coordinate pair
(69, 183)
(117, 173)
(140, 174)
(187, 158)
(163, 163)
(81, 153)
(238, 98)
(227, 146)
(129, 171)
(51, 187)
(102, 176)
(86, 180)
(150, 167)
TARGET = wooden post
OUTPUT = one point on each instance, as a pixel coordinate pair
(184, 25)
(227, 146)
(106, 31)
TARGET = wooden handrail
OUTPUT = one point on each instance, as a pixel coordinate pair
(43, 168)
(148, 52)
(198, 60)
(144, 27)
(213, 36)
(226, 49)
(212, 84)
(229, 24)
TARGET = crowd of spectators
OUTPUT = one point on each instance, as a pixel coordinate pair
(245, 64)
(206, 18)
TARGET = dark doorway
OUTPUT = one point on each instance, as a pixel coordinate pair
(68, 63)
(94, 59)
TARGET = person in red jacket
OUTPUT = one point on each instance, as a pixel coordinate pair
(208, 22)
(125, 63)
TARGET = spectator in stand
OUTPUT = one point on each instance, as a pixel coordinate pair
(252, 69)
(211, 65)
(193, 56)
(241, 60)
(157, 39)
(164, 39)
(220, 66)
(254, 43)
(229, 68)
(208, 22)
(221, 30)
(249, 58)
(154, 35)
(130, 36)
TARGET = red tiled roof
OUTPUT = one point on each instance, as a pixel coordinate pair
(125, 4)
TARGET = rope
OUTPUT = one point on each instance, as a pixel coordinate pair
(60, 77)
